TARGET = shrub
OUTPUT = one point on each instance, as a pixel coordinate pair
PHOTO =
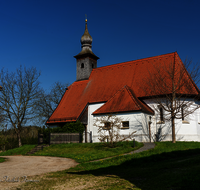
(76, 127)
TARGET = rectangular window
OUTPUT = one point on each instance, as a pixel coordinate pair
(125, 125)
(107, 125)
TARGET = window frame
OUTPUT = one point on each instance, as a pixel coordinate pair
(107, 126)
(125, 127)
(161, 115)
(184, 120)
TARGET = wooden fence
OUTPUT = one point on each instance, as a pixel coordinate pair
(58, 138)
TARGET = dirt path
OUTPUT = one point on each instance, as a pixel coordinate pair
(147, 146)
(19, 166)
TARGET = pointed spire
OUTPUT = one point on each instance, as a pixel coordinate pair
(86, 39)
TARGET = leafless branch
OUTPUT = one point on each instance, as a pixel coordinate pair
(19, 91)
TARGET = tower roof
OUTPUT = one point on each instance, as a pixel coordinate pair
(86, 39)
(86, 45)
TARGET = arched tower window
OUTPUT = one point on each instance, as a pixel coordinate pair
(82, 65)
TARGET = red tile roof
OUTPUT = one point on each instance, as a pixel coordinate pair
(123, 101)
(104, 83)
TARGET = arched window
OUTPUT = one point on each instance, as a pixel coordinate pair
(82, 65)
(161, 114)
(183, 112)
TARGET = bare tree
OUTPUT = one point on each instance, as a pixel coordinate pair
(48, 101)
(172, 88)
(109, 129)
(19, 91)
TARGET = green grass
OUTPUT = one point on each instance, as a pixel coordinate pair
(167, 167)
(2, 160)
(18, 151)
(87, 152)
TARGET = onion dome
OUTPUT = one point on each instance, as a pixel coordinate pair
(86, 45)
(86, 39)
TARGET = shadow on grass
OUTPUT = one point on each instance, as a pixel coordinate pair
(175, 170)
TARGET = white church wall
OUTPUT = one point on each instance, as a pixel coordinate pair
(91, 109)
(190, 128)
(137, 122)
(187, 130)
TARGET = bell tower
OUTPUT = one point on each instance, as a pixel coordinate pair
(86, 60)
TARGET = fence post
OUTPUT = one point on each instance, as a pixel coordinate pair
(133, 143)
(90, 136)
(80, 137)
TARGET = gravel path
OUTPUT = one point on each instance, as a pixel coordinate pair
(146, 146)
(19, 166)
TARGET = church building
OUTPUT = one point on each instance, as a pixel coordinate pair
(126, 90)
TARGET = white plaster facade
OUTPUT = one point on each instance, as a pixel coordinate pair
(139, 122)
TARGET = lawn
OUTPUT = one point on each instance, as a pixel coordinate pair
(18, 151)
(87, 152)
(167, 167)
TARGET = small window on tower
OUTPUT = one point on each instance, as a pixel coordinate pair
(82, 65)
(92, 65)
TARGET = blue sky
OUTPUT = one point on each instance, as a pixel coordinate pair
(46, 33)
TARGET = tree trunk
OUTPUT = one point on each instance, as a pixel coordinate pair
(149, 131)
(173, 129)
(19, 139)
(173, 104)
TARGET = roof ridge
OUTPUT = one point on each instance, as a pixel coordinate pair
(140, 103)
(186, 71)
(110, 99)
(128, 62)
(80, 81)
(119, 91)
(133, 98)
